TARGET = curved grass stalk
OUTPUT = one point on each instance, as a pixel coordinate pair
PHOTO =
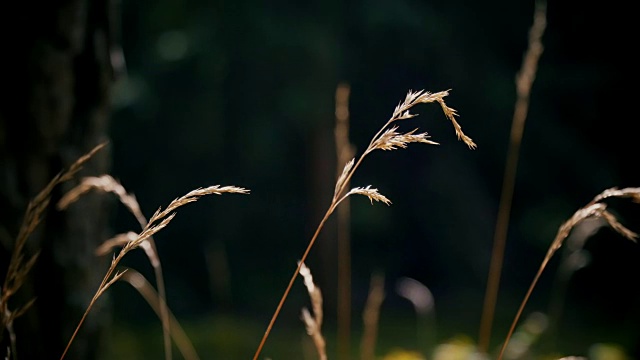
(154, 300)
(387, 138)
(158, 221)
(595, 209)
(19, 267)
(108, 184)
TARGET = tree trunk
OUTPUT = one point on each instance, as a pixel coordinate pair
(54, 108)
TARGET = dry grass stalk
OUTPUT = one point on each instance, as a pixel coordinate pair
(159, 220)
(19, 266)
(108, 184)
(631, 193)
(345, 151)
(595, 209)
(526, 336)
(401, 112)
(524, 81)
(371, 317)
(313, 323)
(154, 300)
(314, 294)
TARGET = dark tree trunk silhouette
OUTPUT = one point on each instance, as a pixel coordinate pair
(57, 61)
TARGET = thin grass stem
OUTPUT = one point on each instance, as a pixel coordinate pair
(385, 139)
(144, 288)
(524, 82)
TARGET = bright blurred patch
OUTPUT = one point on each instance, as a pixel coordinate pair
(401, 354)
(458, 348)
(607, 352)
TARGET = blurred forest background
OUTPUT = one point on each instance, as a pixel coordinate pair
(242, 93)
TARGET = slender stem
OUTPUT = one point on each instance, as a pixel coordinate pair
(164, 311)
(157, 268)
(558, 295)
(499, 242)
(524, 302)
(524, 82)
(293, 278)
(344, 153)
(145, 289)
(338, 197)
(75, 332)
(103, 286)
(335, 202)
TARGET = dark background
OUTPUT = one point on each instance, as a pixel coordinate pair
(242, 93)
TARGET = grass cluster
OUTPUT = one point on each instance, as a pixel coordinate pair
(516, 344)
